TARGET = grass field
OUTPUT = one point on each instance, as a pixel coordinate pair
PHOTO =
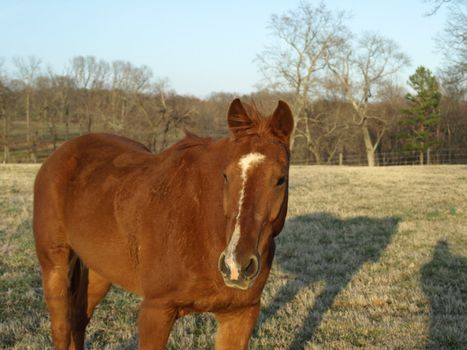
(369, 258)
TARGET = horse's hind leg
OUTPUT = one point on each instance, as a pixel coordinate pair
(87, 288)
(55, 266)
(71, 292)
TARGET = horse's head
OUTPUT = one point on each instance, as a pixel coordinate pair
(255, 189)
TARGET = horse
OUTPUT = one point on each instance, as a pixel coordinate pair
(190, 229)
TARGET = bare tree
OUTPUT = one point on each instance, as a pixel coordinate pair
(162, 115)
(90, 76)
(127, 81)
(360, 71)
(318, 129)
(62, 86)
(296, 59)
(4, 117)
(437, 4)
(452, 43)
(28, 70)
(88, 72)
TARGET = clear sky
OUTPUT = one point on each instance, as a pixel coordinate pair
(201, 46)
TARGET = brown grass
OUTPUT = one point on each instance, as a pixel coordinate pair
(369, 258)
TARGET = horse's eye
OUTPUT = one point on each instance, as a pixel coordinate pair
(226, 180)
(281, 181)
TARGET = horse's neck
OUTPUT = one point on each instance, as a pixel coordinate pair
(210, 166)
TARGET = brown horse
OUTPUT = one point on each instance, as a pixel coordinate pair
(190, 229)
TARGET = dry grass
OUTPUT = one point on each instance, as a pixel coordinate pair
(369, 258)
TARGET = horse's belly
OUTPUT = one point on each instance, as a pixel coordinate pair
(95, 237)
(109, 259)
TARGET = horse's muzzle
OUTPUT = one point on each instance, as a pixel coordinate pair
(236, 276)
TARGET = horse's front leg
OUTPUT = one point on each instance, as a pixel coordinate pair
(235, 328)
(154, 324)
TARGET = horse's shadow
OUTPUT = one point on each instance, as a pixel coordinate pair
(320, 248)
(444, 282)
(323, 248)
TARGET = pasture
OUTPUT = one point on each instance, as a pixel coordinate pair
(369, 258)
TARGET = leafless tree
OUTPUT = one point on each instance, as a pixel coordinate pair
(127, 80)
(296, 59)
(62, 87)
(28, 70)
(162, 115)
(319, 127)
(452, 42)
(360, 70)
(437, 4)
(88, 72)
(90, 76)
(4, 117)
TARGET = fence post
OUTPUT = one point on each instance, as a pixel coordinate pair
(428, 152)
(341, 158)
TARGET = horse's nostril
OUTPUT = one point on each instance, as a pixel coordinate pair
(252, 268)
(222, 266)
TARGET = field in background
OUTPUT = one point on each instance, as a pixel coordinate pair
(369, 258)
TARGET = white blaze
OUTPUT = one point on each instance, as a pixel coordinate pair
(245, 163)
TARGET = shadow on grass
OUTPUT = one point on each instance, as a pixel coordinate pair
(444, 282)
(322, 247)
(130, 344)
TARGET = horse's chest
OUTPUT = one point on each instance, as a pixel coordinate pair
(218, 300)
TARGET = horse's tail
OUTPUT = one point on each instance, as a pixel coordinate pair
(78, 281)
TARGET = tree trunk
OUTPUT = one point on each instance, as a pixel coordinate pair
(67, 128)
(370, 151)
(6, 153)
(89, 126)
(298, 111)
(33, 155)
(28, 119)
(292, 142)
(88, 120)
(6, 146)
(64, 116)
(370, 156)
(316, 155)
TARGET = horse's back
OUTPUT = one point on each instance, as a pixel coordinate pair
(81, 155)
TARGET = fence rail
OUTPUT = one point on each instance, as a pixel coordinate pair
(442, 156)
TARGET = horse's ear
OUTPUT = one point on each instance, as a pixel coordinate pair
(237, 116)
(282, 121)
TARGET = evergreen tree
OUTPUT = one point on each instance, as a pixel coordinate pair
(423, 115)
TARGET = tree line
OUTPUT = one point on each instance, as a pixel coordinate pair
(343, 89)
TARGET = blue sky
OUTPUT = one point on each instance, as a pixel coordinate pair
(200, 46)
